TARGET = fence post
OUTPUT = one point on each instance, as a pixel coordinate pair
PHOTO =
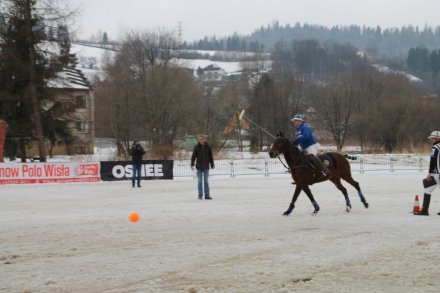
(391, 164)
(266, 168)
(361, 164)
(232, 169)
(420, 164)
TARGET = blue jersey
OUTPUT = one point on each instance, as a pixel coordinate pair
(304, 136)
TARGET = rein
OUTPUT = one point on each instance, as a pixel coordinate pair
(287, 167)
(298, 160)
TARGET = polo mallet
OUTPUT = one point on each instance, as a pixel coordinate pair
(265, 131)
(242, 116)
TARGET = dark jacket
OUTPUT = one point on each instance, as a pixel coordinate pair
(203, 153)
(434, 163)
(136, 153)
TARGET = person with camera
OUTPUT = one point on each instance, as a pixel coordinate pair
(136, 153)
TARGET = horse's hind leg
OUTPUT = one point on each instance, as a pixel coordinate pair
(356, 185)
(312, 199)
(337, 182)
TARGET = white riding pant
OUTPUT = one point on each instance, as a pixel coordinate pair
(312, 150)
(430, 189)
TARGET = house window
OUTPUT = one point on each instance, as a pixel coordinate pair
(81, 149)
(80, 102)
(82, 126)
(66, 105)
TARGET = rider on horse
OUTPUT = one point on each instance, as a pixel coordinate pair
(305, 139)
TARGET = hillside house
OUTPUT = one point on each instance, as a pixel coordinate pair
(71, 87)
(211, 73)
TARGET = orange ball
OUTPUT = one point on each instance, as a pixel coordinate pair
(134, 217)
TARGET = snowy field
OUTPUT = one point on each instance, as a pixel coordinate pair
(78, 238)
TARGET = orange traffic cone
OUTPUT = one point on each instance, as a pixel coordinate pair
(417, 208)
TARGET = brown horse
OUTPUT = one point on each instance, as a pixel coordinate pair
(303, 175)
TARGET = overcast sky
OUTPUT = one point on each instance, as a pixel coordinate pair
(201, 18)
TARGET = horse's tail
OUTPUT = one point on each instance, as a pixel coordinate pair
(349, 157)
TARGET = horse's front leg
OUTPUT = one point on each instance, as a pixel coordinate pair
(294, 198)
(312, 199)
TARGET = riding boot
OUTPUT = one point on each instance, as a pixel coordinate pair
(425, 207)
(322, 172)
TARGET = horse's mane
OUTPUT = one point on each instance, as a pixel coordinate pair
(290, 144)
(292, 152)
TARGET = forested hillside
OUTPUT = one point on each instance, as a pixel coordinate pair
(389, 42)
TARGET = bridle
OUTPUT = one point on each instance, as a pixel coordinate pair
(288, 169)
(277, 154)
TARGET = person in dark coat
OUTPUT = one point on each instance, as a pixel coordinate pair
(433, 178)
(136, 153)
(202, 157)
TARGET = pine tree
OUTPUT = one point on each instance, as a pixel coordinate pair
(65, 58)
(24, 70)
(105, 38)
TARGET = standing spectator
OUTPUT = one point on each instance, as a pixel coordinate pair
(203, 153)
(432, 179)
(136, 153)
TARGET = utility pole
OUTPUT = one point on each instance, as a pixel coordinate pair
(33, 82)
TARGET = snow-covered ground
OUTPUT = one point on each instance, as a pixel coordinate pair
(77, 237)
(387, 70)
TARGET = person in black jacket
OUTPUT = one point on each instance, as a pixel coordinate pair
(432, 179)
(136, 153)
(202, 155)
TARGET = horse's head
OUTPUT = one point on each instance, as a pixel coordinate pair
(279, 146)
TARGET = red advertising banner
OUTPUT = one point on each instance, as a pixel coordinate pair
(22, 173)
(2, 138)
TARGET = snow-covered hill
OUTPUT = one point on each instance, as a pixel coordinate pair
(91, 59)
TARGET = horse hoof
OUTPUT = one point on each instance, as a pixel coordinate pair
(366, 205)
(315, 213)
(286, 214)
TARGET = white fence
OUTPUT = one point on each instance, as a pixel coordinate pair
(359, 163)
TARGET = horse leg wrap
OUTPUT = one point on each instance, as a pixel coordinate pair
(362, 197)
(316, 206)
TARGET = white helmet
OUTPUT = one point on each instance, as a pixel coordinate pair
(435, 134)
(299, 117)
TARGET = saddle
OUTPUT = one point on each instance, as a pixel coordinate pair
(319, 166)
(326, 159)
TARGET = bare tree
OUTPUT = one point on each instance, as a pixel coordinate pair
(334, 103)
(116, 98)
(230, 100)
(149, 96)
